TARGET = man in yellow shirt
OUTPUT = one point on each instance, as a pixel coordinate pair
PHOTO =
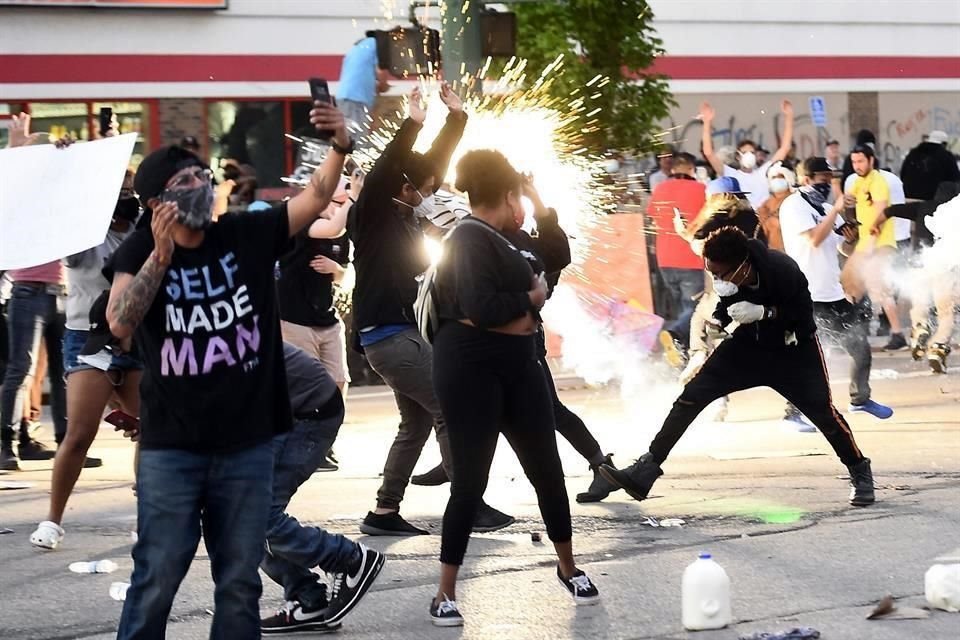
(874, 257)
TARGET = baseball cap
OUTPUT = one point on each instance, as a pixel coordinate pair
(725, 184)
(816, 165)
(833, 142)
(189, 142)
(938, 137)
(160, 166)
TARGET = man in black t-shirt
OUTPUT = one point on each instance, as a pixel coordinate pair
(199, 300)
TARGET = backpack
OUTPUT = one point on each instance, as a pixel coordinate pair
(425, 306)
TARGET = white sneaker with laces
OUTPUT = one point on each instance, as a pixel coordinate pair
(47, 536)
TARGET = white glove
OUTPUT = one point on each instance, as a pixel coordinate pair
(745, 312)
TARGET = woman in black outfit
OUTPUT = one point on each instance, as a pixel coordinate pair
(487, 376)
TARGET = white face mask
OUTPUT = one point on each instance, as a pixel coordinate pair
(725, 289)
(748, 160)
(779, 185)
(426, 207)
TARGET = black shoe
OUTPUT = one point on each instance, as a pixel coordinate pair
(293, 617)
(861, 483)
(433, 478)
(637, 479)
(919, 340)
(580, 587)
(489, 519)
(897, 343)
(327, 465)
(445, 613)
(30, 449)
(92, 463)
(600, 488)
(332, 457)
(389, 524)
(8, 460)
(349, 587)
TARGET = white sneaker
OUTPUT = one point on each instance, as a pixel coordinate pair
(47, 536)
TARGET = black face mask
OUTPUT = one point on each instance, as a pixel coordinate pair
(127, 209)
(823, 188)
(195, 205)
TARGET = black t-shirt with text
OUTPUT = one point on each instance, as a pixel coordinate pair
(306, 297)
(214, 378)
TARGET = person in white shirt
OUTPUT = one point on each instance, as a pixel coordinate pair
(665, 166)
(752, 178)
(812, 237)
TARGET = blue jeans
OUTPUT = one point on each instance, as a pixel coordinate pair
(682, 285)
(292, 548)
(33, 314)
(178, 492)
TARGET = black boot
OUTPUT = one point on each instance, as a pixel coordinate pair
(637, 479)
(433, 478)
(861, 484)
(600, 488)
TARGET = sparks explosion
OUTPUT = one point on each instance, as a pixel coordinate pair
(539, 134)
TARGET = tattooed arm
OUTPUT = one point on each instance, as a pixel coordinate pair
(132, 295)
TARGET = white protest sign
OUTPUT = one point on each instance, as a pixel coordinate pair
(57, 202)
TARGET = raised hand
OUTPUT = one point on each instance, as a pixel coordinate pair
(787, 108)
(707, 114)
(20, 135)
(417, 110)
(326, 117)
(164, 217)
(451, 99)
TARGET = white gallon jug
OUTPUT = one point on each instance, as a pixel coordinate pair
(706, 595)
(942, 587)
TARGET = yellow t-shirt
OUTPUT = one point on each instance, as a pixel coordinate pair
(870, 189)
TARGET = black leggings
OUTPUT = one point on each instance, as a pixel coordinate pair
(488, 383)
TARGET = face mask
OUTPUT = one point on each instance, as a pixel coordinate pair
(127, 209)
(426, 208)
(195, 205)
(823, 188)
(748, 160)
(779, 185)
(725, 289)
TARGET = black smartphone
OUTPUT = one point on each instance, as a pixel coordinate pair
(320, 92)
(106, 119)
(122, 421)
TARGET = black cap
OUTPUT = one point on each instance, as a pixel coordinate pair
(160, 166)
(833, 142)
(816, 164)
(865, 136)
(99, 337)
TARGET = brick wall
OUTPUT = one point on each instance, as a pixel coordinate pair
(181, 117)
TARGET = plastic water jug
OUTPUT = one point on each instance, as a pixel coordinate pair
(942, 587)
(706, 595)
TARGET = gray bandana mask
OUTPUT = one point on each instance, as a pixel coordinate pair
(195, 205)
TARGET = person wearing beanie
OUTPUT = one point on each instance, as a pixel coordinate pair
(199, 300)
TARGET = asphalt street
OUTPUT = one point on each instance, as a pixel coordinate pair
(768, 502)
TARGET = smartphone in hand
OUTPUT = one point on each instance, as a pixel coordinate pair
(122, 421)
(320, 92)
(106, 119)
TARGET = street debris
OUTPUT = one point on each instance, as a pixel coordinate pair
(535, 536)
(666, 522)
(7, 485)
(797, 633)
(886, 609)
(96, 566)
(5, 530)
(942, 587)
(118, 590)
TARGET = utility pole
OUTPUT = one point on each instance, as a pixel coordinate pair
(461, 48)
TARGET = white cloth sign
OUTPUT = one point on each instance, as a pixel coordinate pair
(57, 202)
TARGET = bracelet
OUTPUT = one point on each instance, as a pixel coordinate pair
(344, 151)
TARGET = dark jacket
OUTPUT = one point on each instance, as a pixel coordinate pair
(550, 246)
(389, 252)
(925, 167)
(916, 211)
(783, 286)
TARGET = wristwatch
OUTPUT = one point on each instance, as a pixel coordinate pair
(344, 151)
